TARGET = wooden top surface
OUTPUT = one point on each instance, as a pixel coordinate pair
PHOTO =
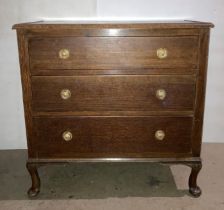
(111, 24)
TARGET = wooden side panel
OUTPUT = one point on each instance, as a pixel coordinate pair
(200, 92)
(26, 86)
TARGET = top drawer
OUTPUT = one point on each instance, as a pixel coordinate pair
(113, 52)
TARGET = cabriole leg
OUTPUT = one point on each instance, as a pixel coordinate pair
(193, 187)
(35, 187)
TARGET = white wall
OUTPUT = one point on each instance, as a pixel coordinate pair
(204, 10)
(12, 129)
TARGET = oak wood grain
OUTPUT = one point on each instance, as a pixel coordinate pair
(113, 52)
(200, 93)
(26, 86)
(111, 136)
(113, 93)
(113, 73)
(147, 71)
(63, 25)
(115, 113)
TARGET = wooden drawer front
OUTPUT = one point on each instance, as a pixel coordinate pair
(111, 136)
(113, 52)
(113, 93)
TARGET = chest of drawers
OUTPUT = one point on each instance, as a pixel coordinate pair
(113, 92)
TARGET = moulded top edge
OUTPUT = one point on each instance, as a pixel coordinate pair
(112, 24)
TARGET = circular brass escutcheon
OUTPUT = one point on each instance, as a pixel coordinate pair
(65, 94)
(161, 94)
(162, 53)
(64, 53)
(160, 135)
(67, 136)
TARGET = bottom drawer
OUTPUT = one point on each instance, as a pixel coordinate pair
(111, 137)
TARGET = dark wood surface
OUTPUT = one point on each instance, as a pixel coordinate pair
(113, 72)
(26, 86)
(63, 25)
(113, 93)
(113, 52)
(147, 71)
(111, 136)
(200, 92)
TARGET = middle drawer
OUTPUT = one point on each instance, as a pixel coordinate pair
(113, 93)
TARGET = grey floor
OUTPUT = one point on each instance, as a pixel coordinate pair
(85, 180)
(103, 185)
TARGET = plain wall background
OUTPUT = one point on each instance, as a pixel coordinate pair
(12, 126)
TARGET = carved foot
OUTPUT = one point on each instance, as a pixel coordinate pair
(194, 190)
(35, 187)
(33, 192)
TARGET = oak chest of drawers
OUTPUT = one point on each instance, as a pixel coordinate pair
(114, 92)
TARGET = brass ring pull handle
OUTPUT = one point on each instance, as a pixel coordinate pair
(161, 94)
(160, 135)
(162, 53)
(64, 53)
(67, 136)
(65, 94)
